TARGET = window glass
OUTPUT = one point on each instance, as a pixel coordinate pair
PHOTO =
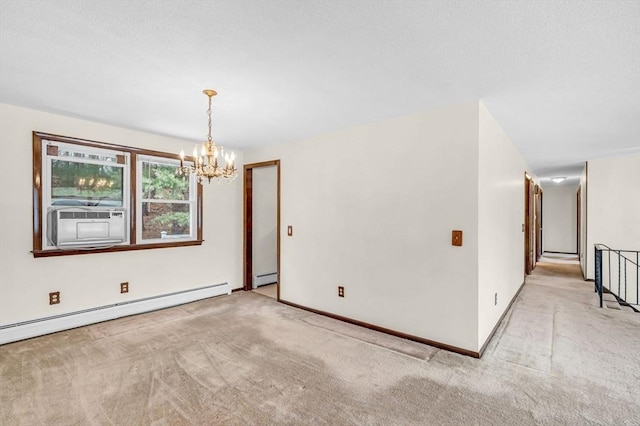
(167, 204)
(62, 152)
(165, 220)
(163, 182)
(86, 184)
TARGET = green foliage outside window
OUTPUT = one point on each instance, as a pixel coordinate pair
(163, 182)
(173, 219)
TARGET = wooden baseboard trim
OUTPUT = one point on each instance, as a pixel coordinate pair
(237, 289)
(558, 252)
(438, 345)
(495, 327)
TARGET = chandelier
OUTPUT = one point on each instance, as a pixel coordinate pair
(208, 163)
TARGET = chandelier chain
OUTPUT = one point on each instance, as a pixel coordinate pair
(209, 114)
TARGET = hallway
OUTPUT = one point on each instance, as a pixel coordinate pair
(556, 326)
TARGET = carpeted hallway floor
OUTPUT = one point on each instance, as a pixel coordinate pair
(244, 359)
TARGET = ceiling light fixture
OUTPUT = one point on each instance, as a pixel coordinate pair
(558, 179)
(206, 164)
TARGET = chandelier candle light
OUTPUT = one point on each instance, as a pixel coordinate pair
(206, 164)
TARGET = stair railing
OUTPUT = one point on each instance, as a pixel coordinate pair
(618, 272)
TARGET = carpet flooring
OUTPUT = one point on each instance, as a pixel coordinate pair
(567, 258)
(245, 359)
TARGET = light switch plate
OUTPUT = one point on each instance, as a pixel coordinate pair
(456, 237)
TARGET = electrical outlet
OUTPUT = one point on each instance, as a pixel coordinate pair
(340, 291)
(54, 298)
(495, 299)
(124, 287)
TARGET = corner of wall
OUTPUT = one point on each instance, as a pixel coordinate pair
(500, 214)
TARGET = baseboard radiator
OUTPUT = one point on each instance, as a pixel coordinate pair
(265, 279)
(38, 327)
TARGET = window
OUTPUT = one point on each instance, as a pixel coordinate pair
(96, 197)
(166, 201)
(85, 196)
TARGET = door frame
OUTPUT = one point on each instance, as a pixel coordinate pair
(539, 219)
(247, 224)
(528, 204)
(578, 221)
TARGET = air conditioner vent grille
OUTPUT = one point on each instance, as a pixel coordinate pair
(85, 215)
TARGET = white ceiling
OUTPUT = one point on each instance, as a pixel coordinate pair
(561, 77)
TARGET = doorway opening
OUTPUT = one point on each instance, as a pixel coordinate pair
(261, 229)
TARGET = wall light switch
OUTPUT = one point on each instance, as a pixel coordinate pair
(290, 230)
(456, 238)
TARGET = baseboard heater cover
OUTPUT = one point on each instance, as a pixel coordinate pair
(39, 327)
(264, 279)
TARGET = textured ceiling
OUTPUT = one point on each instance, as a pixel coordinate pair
(561, 77)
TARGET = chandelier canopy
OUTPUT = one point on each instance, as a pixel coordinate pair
(207, 164)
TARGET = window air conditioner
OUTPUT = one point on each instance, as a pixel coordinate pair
(84, 227)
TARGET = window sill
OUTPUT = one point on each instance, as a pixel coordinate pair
(129, 247)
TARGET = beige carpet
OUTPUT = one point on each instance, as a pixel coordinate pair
(548, 257)
(244, 359)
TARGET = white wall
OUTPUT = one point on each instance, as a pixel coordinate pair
(91, 280)
(613, 205)
(265, 211)
(500, 217)
(372, 209)
(559, 218)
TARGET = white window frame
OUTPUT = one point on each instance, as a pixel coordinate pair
(47, 163)
(192, 202)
